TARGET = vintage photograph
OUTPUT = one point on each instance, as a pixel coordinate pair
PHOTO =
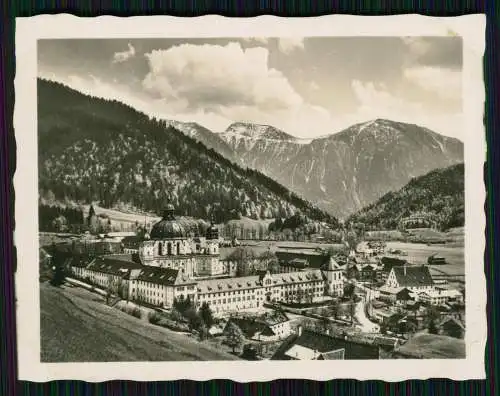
(251, 198)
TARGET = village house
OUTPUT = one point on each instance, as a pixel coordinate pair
(414, 278)
(433, 297)
(387, 263)
(383, 315)
(395, 295)
(267, 327)
(312, 345)
(361, 272)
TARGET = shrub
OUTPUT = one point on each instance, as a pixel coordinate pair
(132, 311)
(154, 318)
(136, 312)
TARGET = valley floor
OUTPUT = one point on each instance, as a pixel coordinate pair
(77, 327)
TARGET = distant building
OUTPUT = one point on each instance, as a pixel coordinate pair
(387, 264)
(396, 295)
(131, 244)
(362, 272)
(433, 297)
(104, 272)
(436, 259)
(268, 327)
(312, 345)
(414, 278)
(441, 296)
(290, 261)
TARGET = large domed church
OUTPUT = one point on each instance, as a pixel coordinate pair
(172, 244)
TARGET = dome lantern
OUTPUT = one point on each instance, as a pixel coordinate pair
(168, 227)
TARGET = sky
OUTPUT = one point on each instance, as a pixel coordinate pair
(308, 87)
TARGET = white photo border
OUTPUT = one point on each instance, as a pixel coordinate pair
(28, 30)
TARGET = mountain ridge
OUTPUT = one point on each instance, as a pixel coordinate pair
(345, 171)
(434, 199)
(97, 150)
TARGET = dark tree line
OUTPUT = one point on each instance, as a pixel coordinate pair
(56, 218)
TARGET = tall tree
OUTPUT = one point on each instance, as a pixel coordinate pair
(206, 314)
(234, 336)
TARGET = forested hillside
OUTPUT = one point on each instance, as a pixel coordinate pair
(96, 150)
(437, 196)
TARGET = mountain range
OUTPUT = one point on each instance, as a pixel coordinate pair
(102, 151)
(339, 173)
(343, 172)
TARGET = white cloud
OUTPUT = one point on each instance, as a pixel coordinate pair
(290, 44)
(213, 76)
(445, 82)
(314, 86)
(120, 57)
(378, 102)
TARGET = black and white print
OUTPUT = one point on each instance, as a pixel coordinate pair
(252, 198)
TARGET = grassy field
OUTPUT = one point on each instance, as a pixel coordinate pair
(77, 327)
(418, 254)
(430, 346)
(454, 236)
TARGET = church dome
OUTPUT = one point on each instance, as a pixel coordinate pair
(168, 227)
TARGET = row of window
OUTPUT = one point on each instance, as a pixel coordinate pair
(222, 301)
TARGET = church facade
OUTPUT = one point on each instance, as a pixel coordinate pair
(170, 245)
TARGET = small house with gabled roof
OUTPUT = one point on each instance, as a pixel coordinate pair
(416, 278)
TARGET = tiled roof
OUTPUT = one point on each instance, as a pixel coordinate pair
(80, 261)
(273, 318)
(297, 277)
(162, 276)
(411, 276)
(389, 262)
(300, 352)
(326, 343)
(228, 284)
(112, 266)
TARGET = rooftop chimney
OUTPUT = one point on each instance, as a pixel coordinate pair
(299, 330)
